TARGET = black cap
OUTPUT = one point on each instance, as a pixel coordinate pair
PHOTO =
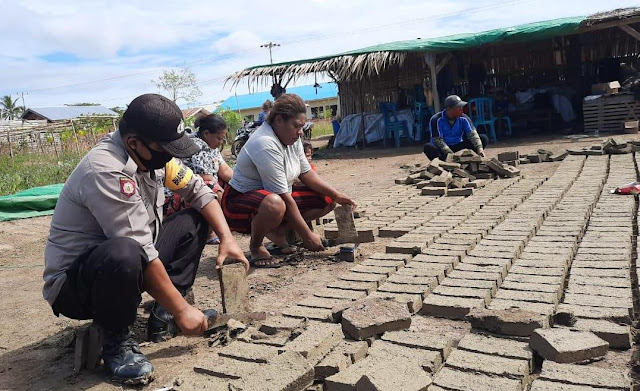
(454, 101)
(159, 119)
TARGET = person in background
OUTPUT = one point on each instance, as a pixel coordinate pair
(260, 199)
(452, 130)
(266, 106)
(308, 153)
(208, 163)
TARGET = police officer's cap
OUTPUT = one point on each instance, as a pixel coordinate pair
(159, 119)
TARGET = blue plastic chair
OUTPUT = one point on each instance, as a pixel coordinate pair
(393, 127)
(483, 116)
(421, 115)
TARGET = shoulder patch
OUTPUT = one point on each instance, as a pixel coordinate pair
(127, 186)
(177, 175)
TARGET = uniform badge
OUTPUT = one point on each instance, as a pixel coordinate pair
(127, 187)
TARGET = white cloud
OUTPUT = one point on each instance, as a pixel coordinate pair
(117, 38)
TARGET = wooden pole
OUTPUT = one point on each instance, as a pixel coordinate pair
(9, 139)
(53, 140)
(75, 136)
(430, 59)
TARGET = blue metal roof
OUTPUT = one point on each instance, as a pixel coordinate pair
(71, 112)
(307, 93)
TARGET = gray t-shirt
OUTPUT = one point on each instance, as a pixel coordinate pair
(264, 163)
(107, 197)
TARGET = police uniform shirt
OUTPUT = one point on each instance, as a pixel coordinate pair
(106, 197)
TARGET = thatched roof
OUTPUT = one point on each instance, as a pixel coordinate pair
(361, 63)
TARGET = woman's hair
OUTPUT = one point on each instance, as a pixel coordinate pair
(306, 146)
(287, 106)
(212, 123)
(267, 105)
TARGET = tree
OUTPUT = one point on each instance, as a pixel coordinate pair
(179, 84)
(9, 108)
(233, 120)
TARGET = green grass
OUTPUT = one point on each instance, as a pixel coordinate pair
(322, 128)
(31, 170)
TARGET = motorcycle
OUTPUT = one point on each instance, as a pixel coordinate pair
(243, 134)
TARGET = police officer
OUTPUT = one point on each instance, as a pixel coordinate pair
(108, 243)
(452, 130)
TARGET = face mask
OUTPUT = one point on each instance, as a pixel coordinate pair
(158, 159)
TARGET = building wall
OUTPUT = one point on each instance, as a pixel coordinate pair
(314, 105)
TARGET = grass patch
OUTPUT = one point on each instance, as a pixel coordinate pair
(31, 170)
(322, 128)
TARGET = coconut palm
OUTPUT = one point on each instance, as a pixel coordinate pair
(9, 108)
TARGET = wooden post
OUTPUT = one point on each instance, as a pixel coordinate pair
(53, 140)
(430, 59)
(75, 136)
(9, 139)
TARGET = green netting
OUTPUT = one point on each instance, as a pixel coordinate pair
(37, 201)
(522, 33)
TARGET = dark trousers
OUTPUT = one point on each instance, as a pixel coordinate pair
(106, 283)
(432, 151)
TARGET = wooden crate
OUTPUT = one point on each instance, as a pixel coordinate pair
(609, 112)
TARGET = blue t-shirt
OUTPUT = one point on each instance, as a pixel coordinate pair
(451, 134)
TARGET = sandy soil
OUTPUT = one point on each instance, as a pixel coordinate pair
(36, 348)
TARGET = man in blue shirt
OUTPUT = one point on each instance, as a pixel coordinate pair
(452, 130)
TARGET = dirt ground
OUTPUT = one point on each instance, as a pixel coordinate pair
(36, 347)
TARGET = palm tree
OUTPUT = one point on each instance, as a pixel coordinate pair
(9, 108)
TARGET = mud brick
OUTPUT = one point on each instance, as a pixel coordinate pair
(320, 314)
(461, 192)
(468, 267)
(476, 275)
(366, 287)
(567, 346)
(433, 191)
(385, 271)
(413, 302)
(426, 174)
(439, 181)
(530, 296)
(394, 232)
(586, 299)
(618, 336)
(494, 346)
(229, 369)
(481, 252)
(411, 289)
(405, 248)
(557, 263)
(624, 264)
(585, 376)
(416, 238)
(615, 314)
(288, 371)
(339, 294)
(538, 308)
(532, 287)
(473, 293)
(492, 286)
(336, 361)
(378, 279)
(316, 341)
(413, 280)
(433, 271)
(429, 360)
(485, 175)
(538, 271)
(249, 352)
(451, 379)
(403, 181)
(470, 159)
(420, 340)
(458, 183)
(534, 158)
(600, 281)
(273, 324)
(395, 257)
(496, 262)
(443, 253)
(559, 157)
(488, 364)
(384, 263)
(450, 166)
(511, 321)
(234, 288)
(371, 317)
(599, 273)
(367, 234)
(463, 174)
(532, 279)
(513, 163)
(509, 155)
(623, 293)
(449, 307)
(372, 374)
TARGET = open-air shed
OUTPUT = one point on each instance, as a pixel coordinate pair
(573, 53)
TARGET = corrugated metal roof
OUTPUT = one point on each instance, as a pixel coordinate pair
(307, 93)
(70, 112)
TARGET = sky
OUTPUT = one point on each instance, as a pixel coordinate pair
(109, 52)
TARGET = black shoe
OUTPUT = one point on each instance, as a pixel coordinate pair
(124, 360)
(161, 325)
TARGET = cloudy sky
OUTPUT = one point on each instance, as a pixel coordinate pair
(66, 51)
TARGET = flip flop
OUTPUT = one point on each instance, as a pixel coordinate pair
(253, 262)
(213, 241)
(278, 251)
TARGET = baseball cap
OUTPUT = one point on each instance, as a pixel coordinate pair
(454, 101)
(157, 118)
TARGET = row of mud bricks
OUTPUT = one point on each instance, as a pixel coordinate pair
(557, 249)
